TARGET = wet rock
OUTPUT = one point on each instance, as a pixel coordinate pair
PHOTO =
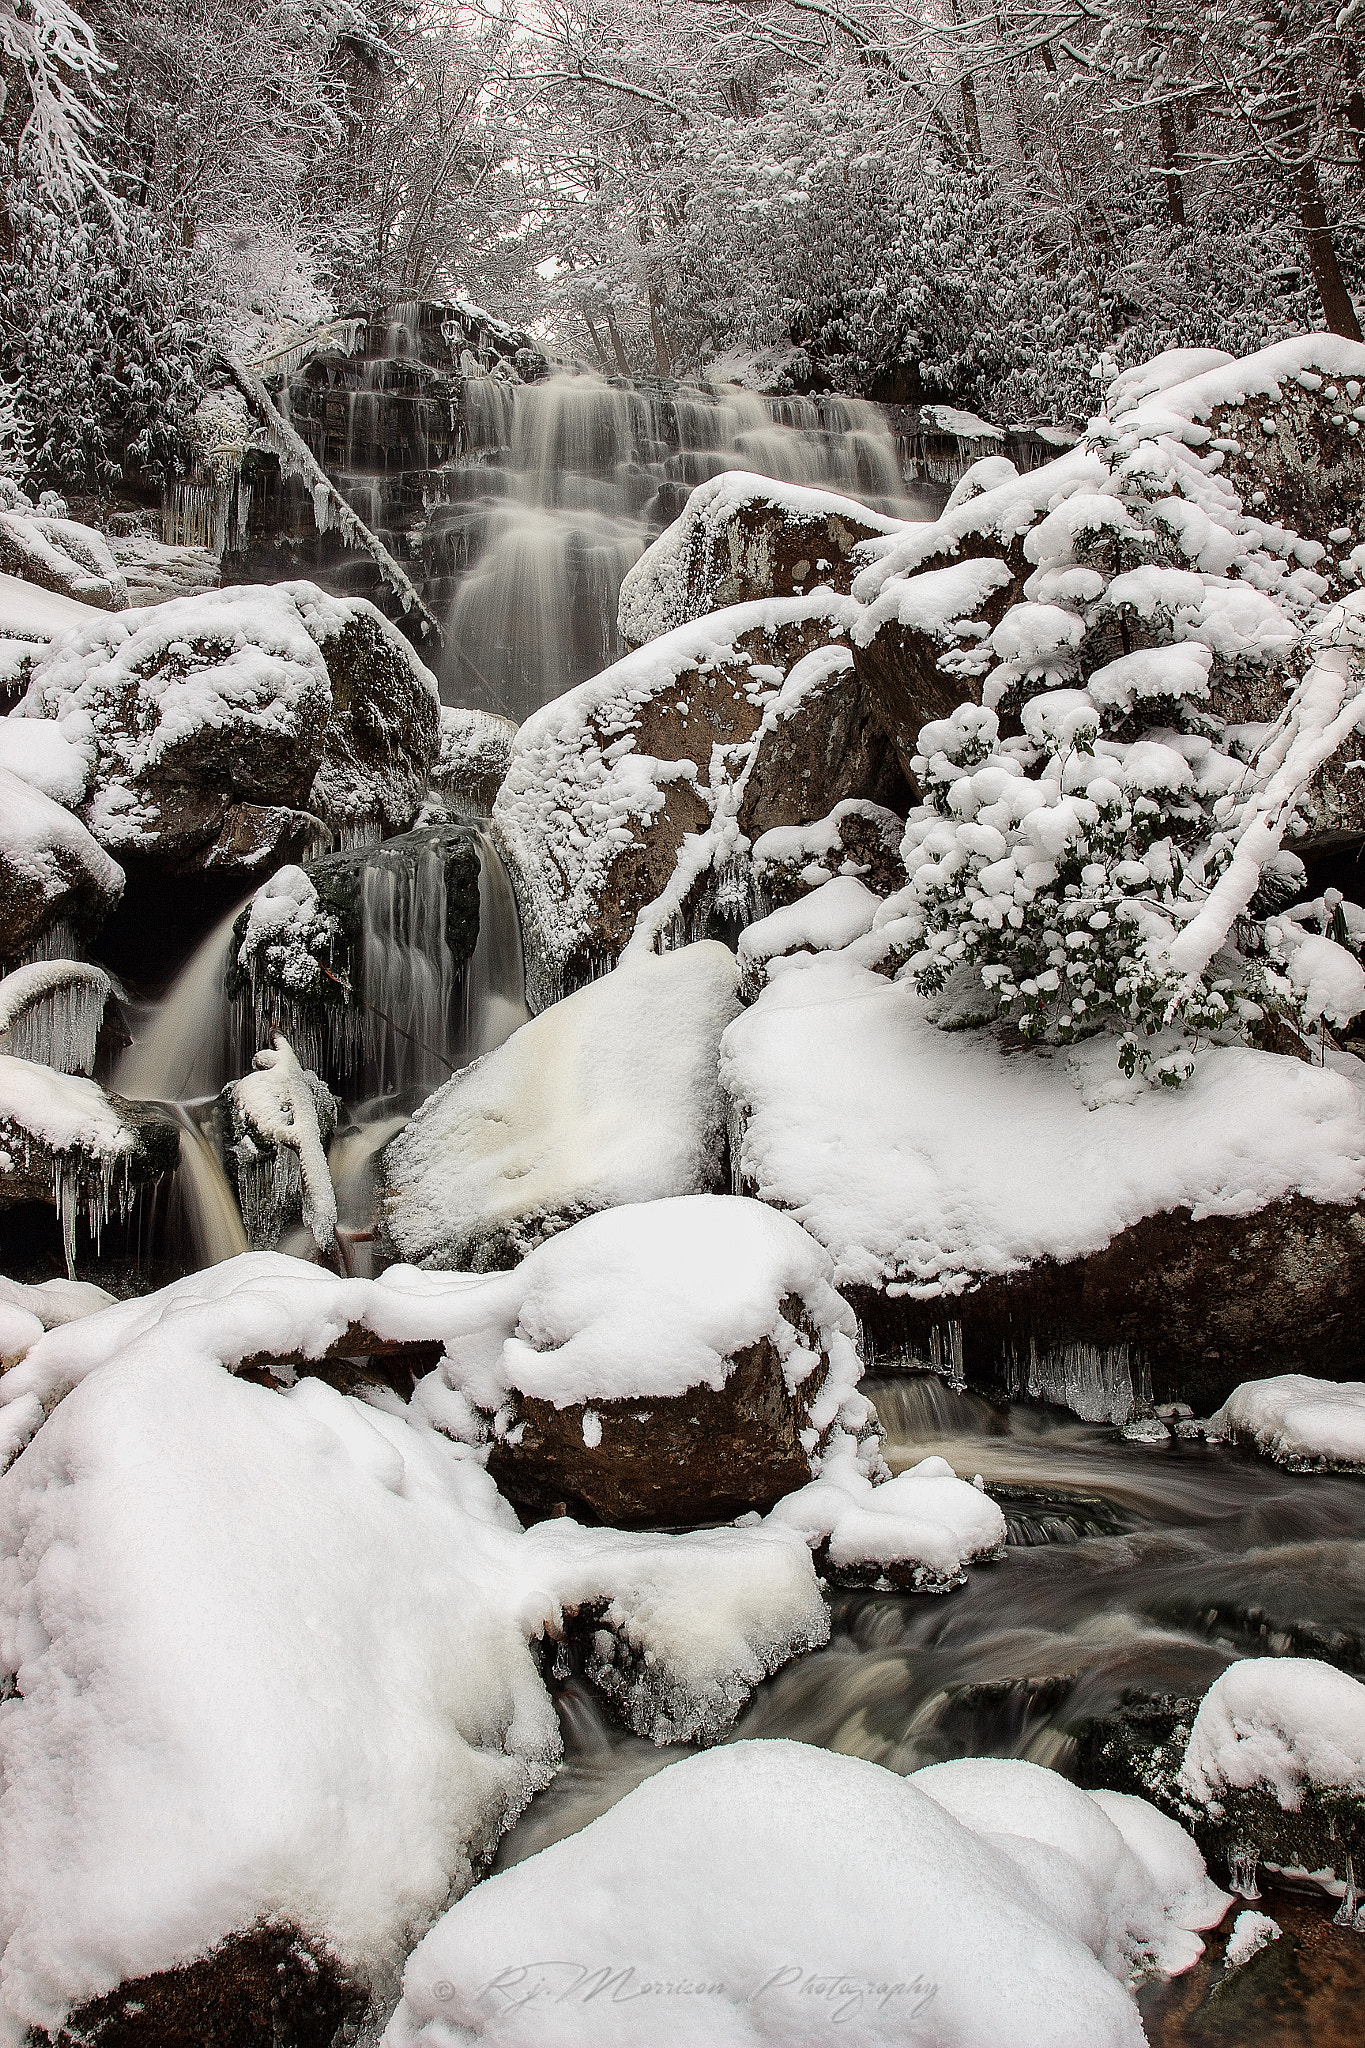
(633, 792)
(476, 747)
(1305, 1987)
(268, 1987)
(52, 870)
(743, 537)
(255, 839)
(63, 556)
(383, 732)
(706, 1455)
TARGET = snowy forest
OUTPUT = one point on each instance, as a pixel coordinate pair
(682, 1024)
(958, 203)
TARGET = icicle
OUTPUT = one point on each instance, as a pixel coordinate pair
(946, 1354)
(1094, 1381)
(322, 506)
(1243, 1864)
(1351, 1912)
(51, 1012)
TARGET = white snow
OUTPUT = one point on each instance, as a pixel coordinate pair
(926, 1518)
(965, 1160)
(19, 1332)
(64, 1111)
(54, 758)
(967, 426)
(1251, 1932)
(277, 1099)
(30, 613)
(809, 848)
(1125, 1880)
(1304, 1423)
(55, 1302)
(772, 1895)
(1290, 1724)
(609, 1096)
(43, 843)
(831, 916)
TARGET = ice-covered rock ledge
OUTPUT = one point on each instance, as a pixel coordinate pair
(1048, 1220)
(1310, 1425)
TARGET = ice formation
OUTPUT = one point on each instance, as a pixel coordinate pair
(51, 1012)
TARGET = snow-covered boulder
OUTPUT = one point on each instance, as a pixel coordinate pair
(915, 1532)
(1310, 1425)
(275, 1125)
(610, 1096)
(30, 619)
(1275, 1766)
(1050, 1207)
(662, 1363)
(305, 1621)
(383, 732)
(741, 537)
(765, 1892)
(476, 747)
(641, 790)
(857, 838)
(191, 706)
(62, 556)
(52, 870)
(829, 918)
(64, 1141)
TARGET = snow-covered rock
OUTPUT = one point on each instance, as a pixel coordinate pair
(915, 1532)
(742, 537)
(62, 556)
(52, 870)
(1289, 1724)
(609, 1096)
(64, 1141)
(1036, 1194)
(857, 838)
(642, 789)
(275, 1125)
(190, 705)
(765, 1892)
(30, 618)
(1310, 1425)
(476, 747)
(664, 1362)
(51, 1012)
(304, 1620)
(828, 919)
(383, 731)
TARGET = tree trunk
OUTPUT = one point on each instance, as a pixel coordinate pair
(617, 347)
(662, 354)
(1170, 150)
(597, 343)
(1339, 315)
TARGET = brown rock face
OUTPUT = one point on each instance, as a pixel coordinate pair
(383, 734)
(858, 838)
(702, 1456)
(1200, 1306)
(268, 1987)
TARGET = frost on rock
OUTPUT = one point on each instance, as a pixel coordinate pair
(735, 1874)
(609, 1096)
(62, 556)
(858, 838)
(64, 1141)
(276, 1124)
(915, 1532)
(51, 1011)
(631, 802)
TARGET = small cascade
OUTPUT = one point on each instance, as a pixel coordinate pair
(189, 1046)
(408, 974)
(495, 980)
(199, 1210)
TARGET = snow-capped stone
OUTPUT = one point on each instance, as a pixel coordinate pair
(1310, 1425)
(739, 538)
(857, 838)
(609, 1096)
(1289, 1725)
(735, 1874)
(62, 556)
(51, 869)
(275, 1125)
(642, 790)
(915, 1532)
(475, 749)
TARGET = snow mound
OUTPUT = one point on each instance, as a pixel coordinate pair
(1307, 1424)
(827, 919)
(966, 1160)
(1288, 1723)
(926, 1520)
(609, 1096)
(1125, 1879)
(767, 1892)
(54, 760)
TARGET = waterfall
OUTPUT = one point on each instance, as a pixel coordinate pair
(495, 982)
(190, 1045)
(200, 1200)
(407, 973)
